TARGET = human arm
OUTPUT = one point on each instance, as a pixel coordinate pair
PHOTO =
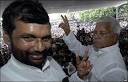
(73, 44)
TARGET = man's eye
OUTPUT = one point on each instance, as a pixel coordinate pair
(28, 39)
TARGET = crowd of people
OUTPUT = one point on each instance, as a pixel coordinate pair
(123, 44)
(33, 55)
(64, 56)
(84, 38)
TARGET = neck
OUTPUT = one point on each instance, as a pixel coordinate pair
(96, 49)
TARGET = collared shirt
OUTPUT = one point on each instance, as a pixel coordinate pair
(108, 64)
(17, 71)
(14, 71)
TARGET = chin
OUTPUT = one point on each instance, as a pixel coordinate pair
(35, 64)
(97, 46)
(38, 62)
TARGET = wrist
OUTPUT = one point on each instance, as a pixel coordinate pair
(67, 32)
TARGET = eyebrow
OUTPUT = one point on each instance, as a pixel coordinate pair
(31, 35)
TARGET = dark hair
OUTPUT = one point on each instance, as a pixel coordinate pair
(25, 10)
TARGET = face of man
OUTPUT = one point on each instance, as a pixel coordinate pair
(103, 36)
(31, 43)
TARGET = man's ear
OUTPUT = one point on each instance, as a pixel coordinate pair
(116, 37)
(6, 38)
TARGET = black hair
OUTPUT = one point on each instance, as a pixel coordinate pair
(27, 11)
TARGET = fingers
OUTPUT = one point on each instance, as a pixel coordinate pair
(65, 25)
(65, 19)
(85, 64)
(84, 68)
(88, 65)
(78, 61)
(85, 57)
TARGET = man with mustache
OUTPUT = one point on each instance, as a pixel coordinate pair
(26, 24)
(104, 54)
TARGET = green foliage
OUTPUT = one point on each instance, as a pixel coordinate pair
(93, 14)
(123, 10)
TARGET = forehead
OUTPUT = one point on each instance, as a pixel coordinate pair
(103, 26)
(31, 28)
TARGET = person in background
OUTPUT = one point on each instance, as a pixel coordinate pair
(123, 44)
(4, 54)
(65, 57)
(26, 25)
(83, 37)
(104, 54)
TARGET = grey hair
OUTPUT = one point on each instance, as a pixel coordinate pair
(115, 24)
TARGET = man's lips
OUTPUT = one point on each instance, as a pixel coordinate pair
(37, 57)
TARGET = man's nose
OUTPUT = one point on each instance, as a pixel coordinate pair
(39, 46)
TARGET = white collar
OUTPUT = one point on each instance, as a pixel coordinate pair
(23, 66)
(106, 49)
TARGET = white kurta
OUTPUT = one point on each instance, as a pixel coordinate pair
(108, 64)
(17, 71)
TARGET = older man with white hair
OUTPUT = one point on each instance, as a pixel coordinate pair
(104, 54)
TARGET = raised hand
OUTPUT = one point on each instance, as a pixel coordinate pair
(65, 24)
(83, 66)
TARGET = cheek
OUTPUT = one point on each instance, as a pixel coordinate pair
(107, 42)
(22, 45)
(101, 43)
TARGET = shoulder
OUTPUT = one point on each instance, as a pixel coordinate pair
(56, 67)
(53, 63)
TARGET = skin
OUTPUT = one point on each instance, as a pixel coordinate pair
(31, 43)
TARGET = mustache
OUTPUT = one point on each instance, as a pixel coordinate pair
(45, 52)
(37, 52)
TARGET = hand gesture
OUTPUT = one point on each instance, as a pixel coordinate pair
(83, 66)
(65, 25)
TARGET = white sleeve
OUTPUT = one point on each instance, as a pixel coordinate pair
(74, 78)
(73, 44)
